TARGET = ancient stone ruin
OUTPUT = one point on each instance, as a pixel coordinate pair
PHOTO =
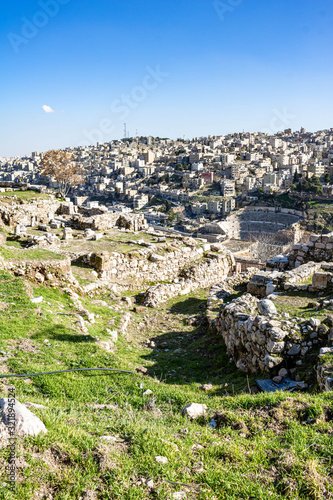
(259, 338)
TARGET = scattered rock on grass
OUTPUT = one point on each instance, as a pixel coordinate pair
(110, 439)
(179, 495)
(150, 483)
(89, 495)
(141, 369)
(37, 300)
(107, 346)
(194, 410)
(206, 387)
(113, 334)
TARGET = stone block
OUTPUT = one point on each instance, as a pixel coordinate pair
(276, 334)
(320, 281)
(275, 347)
(270, 288)
(326, 350)
(267, 307)
(283, 373)
(294, 350)
(314, 237)
(156, 258)
(67, 233)
(272, 361)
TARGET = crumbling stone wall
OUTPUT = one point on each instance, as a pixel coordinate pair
(146, 266)
(109, 220)
(202, 274)
(223, 291)
(41, 270)
(21, 213)
(264, 283)
(318, 249)
(91, 212)
(325, 369)
(259, 339)
(42, 211)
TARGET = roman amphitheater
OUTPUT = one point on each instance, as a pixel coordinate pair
(252, 221)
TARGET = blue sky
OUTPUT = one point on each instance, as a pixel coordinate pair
(168, 69)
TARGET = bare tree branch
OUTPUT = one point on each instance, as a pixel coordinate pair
(267, 246)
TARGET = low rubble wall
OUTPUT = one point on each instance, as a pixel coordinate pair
(146, 266)
(319, 248)
(318, 274)
(22, 213)
(325, 370)
(202, 274)
(259, 339)
(40, 270)
(109, 220)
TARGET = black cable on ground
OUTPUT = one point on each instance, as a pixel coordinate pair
(25, 375)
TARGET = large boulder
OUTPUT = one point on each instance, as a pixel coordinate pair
(26, 423)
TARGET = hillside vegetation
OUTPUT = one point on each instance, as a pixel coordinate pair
(258, 446)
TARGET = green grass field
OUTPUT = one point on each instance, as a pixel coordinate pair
(13, 251)
(24, 195)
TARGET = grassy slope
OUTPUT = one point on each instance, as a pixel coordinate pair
(12, 252)
(24, 195)
(266, 446)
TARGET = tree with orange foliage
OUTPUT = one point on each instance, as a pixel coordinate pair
(61, 166)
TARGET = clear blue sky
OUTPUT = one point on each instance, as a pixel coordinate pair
(222, 67)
